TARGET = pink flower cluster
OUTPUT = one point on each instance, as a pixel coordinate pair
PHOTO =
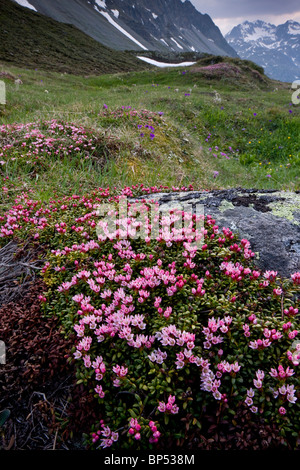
(169, 407)
(171, 336)
(283, 391)
(281, 373)
(155, 433)
(234, 270)
(296, 278)
(210, 383)
(290, 312)
(286, 392)
(121, 372)
(249, 400)
(258, 382)
(108, 436)
(39, 140)
(294, 354)
(134, 429)
(270, 335)
(158, 356)
(225, 366)
(213, 326)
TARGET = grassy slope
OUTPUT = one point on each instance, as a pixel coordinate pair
(32, 40)
(191, 143)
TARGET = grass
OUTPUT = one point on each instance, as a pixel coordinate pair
(208, 132)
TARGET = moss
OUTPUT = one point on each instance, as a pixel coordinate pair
(225, 205)
(286, 209)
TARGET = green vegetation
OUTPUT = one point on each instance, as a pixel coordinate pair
(210, 129)
(158, 375)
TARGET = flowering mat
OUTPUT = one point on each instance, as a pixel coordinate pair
(123, 341)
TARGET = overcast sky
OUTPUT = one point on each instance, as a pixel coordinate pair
(229, 13)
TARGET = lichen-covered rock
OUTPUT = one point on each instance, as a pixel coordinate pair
(269, 219)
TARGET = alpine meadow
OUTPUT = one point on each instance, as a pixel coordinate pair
(115, 338)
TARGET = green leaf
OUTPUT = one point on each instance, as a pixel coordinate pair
(132, 413)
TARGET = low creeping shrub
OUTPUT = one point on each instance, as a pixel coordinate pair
(168, 326)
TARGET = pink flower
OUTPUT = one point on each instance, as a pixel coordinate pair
(293, 334)
(100, 391)
(271, 275)
(282, 410)
(296, 278)
(249, 401)
(257, 383)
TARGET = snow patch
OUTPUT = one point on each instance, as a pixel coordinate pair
(294, 29)
(25, 4)
(154, 15)
(178, 45)
(162, 40)
(115, 13)
(258, 30)
(259, 33)
(101, 3)
(164, 64)
(116, 25)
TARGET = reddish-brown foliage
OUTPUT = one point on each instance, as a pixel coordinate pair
(37, 383)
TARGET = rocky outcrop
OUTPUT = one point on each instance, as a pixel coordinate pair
(269, 219)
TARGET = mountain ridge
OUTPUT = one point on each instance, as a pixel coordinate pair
(163, 25)
(275, 48)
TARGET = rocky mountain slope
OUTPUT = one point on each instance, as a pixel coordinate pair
(139, 25)
(275, 48)
(31, 40)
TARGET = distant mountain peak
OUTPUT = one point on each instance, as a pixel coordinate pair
(275, 48)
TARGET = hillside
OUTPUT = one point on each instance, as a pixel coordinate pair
(32, 40)
(163, 25)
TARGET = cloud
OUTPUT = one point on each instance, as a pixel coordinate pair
(228, 13)
(244, 8)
